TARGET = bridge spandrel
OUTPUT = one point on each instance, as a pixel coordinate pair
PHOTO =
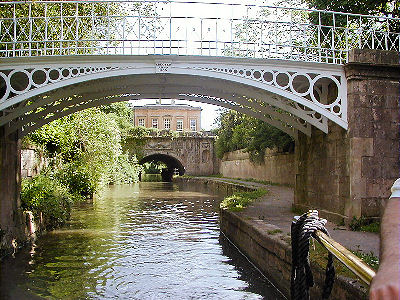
(289, 95)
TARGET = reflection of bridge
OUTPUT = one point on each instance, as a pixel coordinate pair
(292, 68)
(191, 155)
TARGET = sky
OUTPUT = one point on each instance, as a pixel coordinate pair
(208, 114)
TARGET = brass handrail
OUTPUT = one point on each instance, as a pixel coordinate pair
(355, 264)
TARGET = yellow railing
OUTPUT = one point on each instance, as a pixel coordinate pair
(355, 264)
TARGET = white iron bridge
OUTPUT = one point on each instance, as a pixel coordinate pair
(281, 65)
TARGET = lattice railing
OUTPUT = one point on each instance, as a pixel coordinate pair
(51, 28)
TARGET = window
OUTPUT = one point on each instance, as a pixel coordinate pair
(179, 125)
(167, 124)
(193, 125)
(141, 122)
(154, 123)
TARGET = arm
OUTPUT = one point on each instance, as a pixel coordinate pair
(386, 283)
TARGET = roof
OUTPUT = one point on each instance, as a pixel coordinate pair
(168, 106)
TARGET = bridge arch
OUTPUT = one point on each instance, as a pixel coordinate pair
(291, 97)
(172, 164)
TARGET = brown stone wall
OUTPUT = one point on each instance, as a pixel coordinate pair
(12, 225)
(277, 167)
(31, 163)
(196, 154)
(349, 173)
(373, 112)
(322, 173)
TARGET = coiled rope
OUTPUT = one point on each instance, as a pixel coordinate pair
(302, 279)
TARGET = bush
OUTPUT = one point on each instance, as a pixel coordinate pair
(240, 200)
(364, 224)
(78, 180)
(47, 196)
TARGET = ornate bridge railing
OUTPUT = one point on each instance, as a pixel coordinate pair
(51, 28)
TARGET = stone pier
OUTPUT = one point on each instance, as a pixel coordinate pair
(349, 173)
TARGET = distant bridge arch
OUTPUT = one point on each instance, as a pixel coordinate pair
(171, 162)
(190, 153)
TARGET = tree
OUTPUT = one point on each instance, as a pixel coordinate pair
(238, 131)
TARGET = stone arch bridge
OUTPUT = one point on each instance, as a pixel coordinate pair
(191, 154)
(300, 70)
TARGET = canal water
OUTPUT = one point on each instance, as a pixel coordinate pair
(144, 241)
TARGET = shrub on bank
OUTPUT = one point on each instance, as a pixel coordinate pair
(240, 200)
(48, 197)
(77, 179)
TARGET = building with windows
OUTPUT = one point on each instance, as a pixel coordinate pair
(171, 116)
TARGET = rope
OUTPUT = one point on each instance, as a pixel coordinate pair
(302, 279)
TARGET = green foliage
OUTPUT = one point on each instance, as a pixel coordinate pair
(77, 179)
(126, 170)
(238, 131)
(47, 196)
(86, 148)
(364, 224)
(369, 258)
(240, 200)
(153, 167)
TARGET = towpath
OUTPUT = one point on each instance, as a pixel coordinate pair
(275, 208)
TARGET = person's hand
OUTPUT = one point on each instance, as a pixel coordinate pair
(386, 283)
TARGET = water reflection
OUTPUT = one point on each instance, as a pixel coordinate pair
(144, 241)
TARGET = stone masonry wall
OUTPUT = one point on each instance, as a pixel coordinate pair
(196, 154)
(277, 167)
(31, 163)
(349, 173)
(373, 112)
(322, 172)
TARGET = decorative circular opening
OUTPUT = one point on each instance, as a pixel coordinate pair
(317, 116)
(257, 75)
(268, 76)
(3, 87)
(248, 73)
(65, 73)
(336, 109)
(300, 84)
(19, 81)
(39, 77)
(282, 79)
(54, 75)
(325, 90)
(74, 72)
(241, 72)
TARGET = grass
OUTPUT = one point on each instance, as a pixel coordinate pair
(319, 255)
(275, 231)
(364, 224)
(240, 200)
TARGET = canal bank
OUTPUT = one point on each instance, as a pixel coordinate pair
(261, 231)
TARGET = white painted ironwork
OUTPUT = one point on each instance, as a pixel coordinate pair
(292, 96)
(54, 28)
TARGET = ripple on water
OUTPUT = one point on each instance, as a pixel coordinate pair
(138, 242)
